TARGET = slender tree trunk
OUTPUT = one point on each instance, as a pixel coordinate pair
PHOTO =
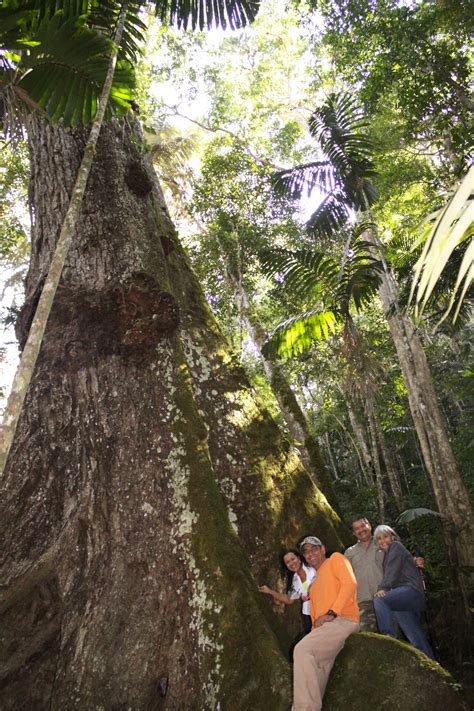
(358, 431)
(33, 344)
(401, 468)
(449, 489)
(376, 461)
(147, 489)
(291, 410)
(363, 477)
(390, 468)
(327, 444)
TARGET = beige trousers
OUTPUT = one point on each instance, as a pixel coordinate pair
(313, 659)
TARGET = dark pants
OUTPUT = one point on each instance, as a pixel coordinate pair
(307, 623)
(408, 603)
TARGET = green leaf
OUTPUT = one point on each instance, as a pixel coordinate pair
(454, 225)
(411, 515)
(298, 334)
(67, 71)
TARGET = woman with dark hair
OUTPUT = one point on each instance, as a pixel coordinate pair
(400, 591)
(299, 577)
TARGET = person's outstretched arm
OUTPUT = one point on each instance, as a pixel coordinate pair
(279, 597)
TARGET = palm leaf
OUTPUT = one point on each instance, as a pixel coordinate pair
(294, 181)
(304, 272)
(454, 225)
(60, 54)
(360, 280)
(66, 71)
(345, 175)
(298, 334)
(411, 515)
(103, 17)
(341, 129)
(330, 215)
(207, 13)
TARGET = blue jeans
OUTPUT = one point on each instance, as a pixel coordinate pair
(408, 603)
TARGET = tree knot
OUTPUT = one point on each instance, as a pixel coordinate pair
(145, 312)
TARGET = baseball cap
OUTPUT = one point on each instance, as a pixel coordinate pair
(312, 540)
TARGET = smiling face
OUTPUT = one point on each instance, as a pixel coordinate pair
(314, 555)
(292, 562)
(384, 541)
(362, 530)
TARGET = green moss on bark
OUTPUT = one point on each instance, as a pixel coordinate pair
(241, 662)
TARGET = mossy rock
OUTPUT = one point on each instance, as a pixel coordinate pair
(376, 672)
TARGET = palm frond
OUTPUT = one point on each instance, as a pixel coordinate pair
(341, 129)
(410, 515)
(304, 178)
(207, 13)
(64, 70)
(305, 272)
(103, 17)
(453, 226)
(330, 215)
(359, 280)
(297, 335)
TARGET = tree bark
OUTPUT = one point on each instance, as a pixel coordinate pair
(147, 488)
(36, 332)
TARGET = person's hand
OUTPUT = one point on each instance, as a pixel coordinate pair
(419, 561)
(305, 598)
(265, 589)
(380, 593)
(320, 621)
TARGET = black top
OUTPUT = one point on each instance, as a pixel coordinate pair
(399, 569)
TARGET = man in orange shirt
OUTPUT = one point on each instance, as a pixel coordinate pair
(335, 615)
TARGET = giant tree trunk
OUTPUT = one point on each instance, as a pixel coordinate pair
(147, 490)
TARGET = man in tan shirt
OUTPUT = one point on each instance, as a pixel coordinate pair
(367, 562)
(335, 615)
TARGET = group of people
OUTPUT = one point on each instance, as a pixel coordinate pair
(375, 585)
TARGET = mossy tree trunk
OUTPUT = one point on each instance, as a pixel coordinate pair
(147, 490)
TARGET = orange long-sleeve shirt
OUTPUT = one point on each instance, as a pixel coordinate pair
(335, 588)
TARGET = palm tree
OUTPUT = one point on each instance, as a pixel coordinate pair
(60, 72)
(330, 290)
(346, 176)
(334, 291)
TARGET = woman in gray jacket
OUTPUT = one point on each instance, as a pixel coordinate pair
(400, 591)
